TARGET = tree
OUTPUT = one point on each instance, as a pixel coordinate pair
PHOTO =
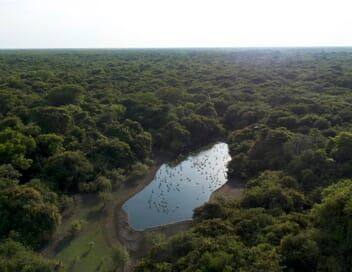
(105, 198)
(312, 168)
(133, 134)
(176, 137)
(16, 257)
(66, 170)
(26, 213)
(142, 145)
(267, 191)
(116, 177)
(103, 184)
(238, 117)
(300, 252)
(268, 151)
(207, 109)
(138, 170)
(49, 144)
(119, 256)
(112, 153)
(52, 119)
(263, 257)
(208, 211)
(8, 101)
(342, 149)
(202, 129)
(65, 94)
(15, 148)
(146, 109)
(333, 220)
(8, 176)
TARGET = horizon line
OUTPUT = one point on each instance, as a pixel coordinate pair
(180, 47)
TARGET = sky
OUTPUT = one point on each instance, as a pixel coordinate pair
(174, 23)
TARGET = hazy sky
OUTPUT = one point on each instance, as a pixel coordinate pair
(174, 23)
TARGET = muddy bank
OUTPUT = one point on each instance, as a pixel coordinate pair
(134, 240)
(231, 189)
(112, 232)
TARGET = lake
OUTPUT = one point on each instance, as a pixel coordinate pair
(177, 189)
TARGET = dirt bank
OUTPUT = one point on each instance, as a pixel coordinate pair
(111, 232)
(231, 189)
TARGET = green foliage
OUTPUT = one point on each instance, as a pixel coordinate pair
(103, 184)
(263, 257)
(333, 220)
(202, 128)
(15, 257)
(14, 148)
(52, 119)
(300, 252)
(208, 211)
(120, 256)
(147, 110)
(112, 153)
(138, 170)
(49, 144)
(68, 169)
(267, 191)
(155, 238)
(8, 176)
(117, 178)
(27, 215)
(65, 94)
(342, 148)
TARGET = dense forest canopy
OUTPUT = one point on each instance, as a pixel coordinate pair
(86, 121)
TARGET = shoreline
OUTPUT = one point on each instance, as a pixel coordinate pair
(114, 222)
(134, 240)
(232, 188)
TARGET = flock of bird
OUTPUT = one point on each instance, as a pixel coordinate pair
(205, 173)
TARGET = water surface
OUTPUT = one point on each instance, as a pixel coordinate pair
(177, 189)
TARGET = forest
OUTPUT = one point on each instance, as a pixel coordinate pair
(86, 122)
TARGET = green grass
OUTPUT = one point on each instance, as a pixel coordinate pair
(88, 250)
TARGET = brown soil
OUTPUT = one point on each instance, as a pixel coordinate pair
(232, 189)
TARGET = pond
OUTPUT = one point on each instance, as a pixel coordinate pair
(177, 189)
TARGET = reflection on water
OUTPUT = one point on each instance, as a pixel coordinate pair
(176, 190)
